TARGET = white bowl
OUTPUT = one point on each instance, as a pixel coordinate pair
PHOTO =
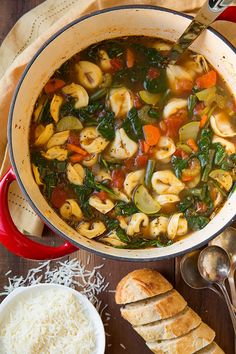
(23, 292)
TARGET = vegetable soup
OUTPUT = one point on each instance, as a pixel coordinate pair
(129, 151)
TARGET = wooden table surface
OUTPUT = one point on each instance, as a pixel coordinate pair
(206, 303)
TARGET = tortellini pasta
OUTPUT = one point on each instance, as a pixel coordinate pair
(70, 209)
(120, 101)
(165, 182)
(158, 226)
(79, 93)
(122, 147)
(221, 125)
(177, 226)
(166, 148)
(75, 173)
(173, 106)
(91, 230)
(58, 139)
(89, 74)
(132, 180)
(92, 141)
(55, 106)
(103, 206)
(136, 223)
(55, 153)
(45, 135)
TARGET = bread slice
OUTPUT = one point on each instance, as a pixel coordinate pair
(172, 327)
(153, 309)
(141, 284)
(213, 348)
(195, 340)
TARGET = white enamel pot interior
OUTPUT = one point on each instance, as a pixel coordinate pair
(111, 23)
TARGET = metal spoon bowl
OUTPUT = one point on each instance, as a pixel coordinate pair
(214, 266)
(227, 241)
(190, 273)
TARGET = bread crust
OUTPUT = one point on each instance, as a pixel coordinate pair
(141, 284)
(173, 327)
(195, 340)
(213, 348)
(157, 308)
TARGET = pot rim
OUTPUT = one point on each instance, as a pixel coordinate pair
(9, 133)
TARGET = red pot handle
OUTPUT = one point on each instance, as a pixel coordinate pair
(14, 240)
(228, 15)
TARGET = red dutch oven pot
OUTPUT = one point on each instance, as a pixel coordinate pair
(105, 24)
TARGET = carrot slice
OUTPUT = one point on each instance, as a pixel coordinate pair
(76, 158)
(203, 120)
(77, 149)
(53, 85)
(191, 143)
(129, 58)
(152, 134)
(187, 178)
(206, 81)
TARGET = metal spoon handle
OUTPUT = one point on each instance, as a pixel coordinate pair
(206, 15)
(229, 305)
(232, 288)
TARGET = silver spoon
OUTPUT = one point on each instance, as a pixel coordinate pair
(206, 15)
(214, 266)
(190, 273)
(227, 241)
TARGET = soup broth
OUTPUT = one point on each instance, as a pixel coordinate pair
(129, 151)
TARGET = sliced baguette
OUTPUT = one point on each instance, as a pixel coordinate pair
(213, 348)
(154, 309)
(195, 340)
(141, 284)
(172, 327)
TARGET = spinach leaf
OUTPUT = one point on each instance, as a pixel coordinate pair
(106, 126)
(137, 243)
(125, 209)
(220, 153)
(208, 167)
(92, 52)
(109, 166)
(133, 126)
(114, 49)
(50, 182)
(157, 84)
(82, 194)
(186, 203)
(151, 56)
(178, 165)
(197, 222)
(205, 139)
(90, 182)
(113, 224)
(68, 109)
(192, 101)
(45, 115)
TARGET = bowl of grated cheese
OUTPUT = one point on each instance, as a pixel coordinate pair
(50, 319)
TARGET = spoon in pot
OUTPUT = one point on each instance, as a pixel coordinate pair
(227, 241)
(214, 266)
(190, 273)
(206, 15)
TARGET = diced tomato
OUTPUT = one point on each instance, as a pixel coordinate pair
(101, 195)
(181, 153)
(116, 64)
(174, 122)
(198, 109)
(137, 102)
(53, 85)
(129, 163)
(183, 85)
(153, 73)
(207, 80)
(143, 147)
(118, 177)
(129, 58)
(73, 139)
(58, 196)
(201, 207)
(141, 161)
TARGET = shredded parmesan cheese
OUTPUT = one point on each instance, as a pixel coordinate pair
(50, 322)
